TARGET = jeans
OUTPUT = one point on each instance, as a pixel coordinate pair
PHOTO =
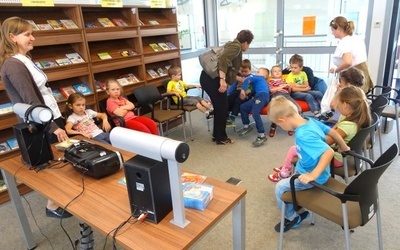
(254, 106)
(103, 137)
(320, 86)
(312, 97)
(283, 186)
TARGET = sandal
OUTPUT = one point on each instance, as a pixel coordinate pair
(272, 131)
(226, 141)
(290, 133)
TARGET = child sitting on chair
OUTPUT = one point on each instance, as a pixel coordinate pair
(178, 87)
(80, 120)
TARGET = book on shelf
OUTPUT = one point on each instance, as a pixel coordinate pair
(38, 65)
(63, 61)
(4, 147)
(82, 88)
(44, 26)
(69, 24)
(105, 22)
(124, 81)
(55, 24)
(100, 85)
(75, 57)
(48, 64)
(196, 195)
(141, 22)
(35, 27)
(190, 177)
(13, 143)
(119, 22)
(126, 53)
(152, 73)
(153, 22)
(58, 95)
(134, 78)
(155, 47)
(104, 55)
(161, 72)
(170, 45)
(90, 25)
(164, 46)
(6, 108)
(67, 90)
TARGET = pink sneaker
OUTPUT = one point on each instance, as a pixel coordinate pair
(277, 169)
(274, 177)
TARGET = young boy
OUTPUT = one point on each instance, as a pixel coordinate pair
(313, 152)
(301, 90)
(234, 100)
(255, 105)
(178, 87)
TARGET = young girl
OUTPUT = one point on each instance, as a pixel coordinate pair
(355, 114)
(80, 120)
(118, 105)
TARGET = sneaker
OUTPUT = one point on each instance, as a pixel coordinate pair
(259, 141)
(274, 177)
(293, 223)
(225, 142)
(230, 123)
(290, 133)
(329, 114)
(245, 131)
(277, 169)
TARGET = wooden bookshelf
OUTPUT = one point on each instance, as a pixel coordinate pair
(88, 42)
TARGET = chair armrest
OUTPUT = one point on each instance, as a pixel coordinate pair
(352, 153)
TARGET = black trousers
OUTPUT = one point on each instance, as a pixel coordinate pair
(219, 102)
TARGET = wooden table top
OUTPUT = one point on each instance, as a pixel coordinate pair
(104, 204)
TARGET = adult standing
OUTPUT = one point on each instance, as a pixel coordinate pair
(228, 64)
(350, 51)
(26, 83)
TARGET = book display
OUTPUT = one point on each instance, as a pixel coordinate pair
(79, 47)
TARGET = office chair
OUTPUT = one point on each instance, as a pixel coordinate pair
(149, 96)
(377, 106)
(349, 206)
(352, 166)
(392, 111)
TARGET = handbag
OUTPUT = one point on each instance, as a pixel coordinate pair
(209, 61)
(329, 94)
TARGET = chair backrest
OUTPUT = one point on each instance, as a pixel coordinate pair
(365, 185)
(147, 95)
(378, 104)
(357, 142)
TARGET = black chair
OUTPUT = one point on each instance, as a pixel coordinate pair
(377, 106)
(149, 96)
(392, 111)
(351, 165)
(111, 120)
(349, 206)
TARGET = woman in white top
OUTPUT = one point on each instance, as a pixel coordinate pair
(350, 51)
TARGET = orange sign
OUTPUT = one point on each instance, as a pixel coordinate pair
(309, 25)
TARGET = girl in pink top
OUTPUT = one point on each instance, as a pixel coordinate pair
(117, 105)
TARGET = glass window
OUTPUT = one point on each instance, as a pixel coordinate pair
(191, 25)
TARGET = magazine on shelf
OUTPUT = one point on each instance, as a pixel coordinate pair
(56, 24)
(6, 108)
(105, 22)
(13, 143)
(152, 73)
(155, 47)
(67, 90)
(44, 26)
(35, 27)
(38, 65)
(104, 55)
(63, 61)
(101, 85)
(58, 95)
(90, 25)
(126, 53)
(153, 22)
(119, 22)
(171, 45)
(134, 78)
(124, 81)
(4, 147)
(164, 46)
(161, 72)
(82, 88)
(75, 57)
(69, 24)
(49, 63)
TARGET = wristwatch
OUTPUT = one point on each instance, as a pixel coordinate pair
(222, 78)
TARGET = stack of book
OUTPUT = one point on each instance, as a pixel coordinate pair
(69, 58)
(53, 24)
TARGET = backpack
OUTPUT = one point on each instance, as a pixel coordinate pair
(209, 61)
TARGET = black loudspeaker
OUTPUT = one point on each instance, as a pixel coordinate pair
(35, 147)
(148, 186)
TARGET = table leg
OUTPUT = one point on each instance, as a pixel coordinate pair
(87, 242)
(239, 225)
(19, 209)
